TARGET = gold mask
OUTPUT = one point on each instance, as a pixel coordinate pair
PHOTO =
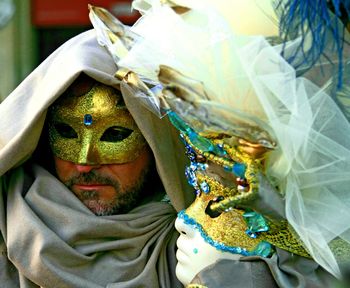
(93, 127)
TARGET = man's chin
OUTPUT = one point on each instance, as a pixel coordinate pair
(107, 200)
(99, 208)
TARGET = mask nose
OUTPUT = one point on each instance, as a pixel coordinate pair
(88, 154)
(183, 228)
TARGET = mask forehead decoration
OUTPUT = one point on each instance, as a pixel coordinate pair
(90, 124)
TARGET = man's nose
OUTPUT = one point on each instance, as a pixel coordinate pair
(85, 168)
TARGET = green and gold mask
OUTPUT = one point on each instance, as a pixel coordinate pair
(91, 125)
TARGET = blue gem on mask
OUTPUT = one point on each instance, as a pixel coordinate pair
(191, 177)
(263, 249)
(87, 119)
(239, 169)
(202, 166)
(256, 223)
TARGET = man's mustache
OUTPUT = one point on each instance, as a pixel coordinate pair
(91, 177)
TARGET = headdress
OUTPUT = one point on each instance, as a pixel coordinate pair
(260, 139)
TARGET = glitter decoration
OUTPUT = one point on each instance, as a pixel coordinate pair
(194, 166)
(190, 153)
(202, 166)
(263, 250)
(204, 187)
(87, 119)
(191, 176)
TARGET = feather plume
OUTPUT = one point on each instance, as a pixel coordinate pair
(317, 20)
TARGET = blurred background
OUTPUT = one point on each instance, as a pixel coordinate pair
(30, 30)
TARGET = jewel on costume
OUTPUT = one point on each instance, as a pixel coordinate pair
(263, 249)
(178, 123)
(205, 187)
(256, 223)
(202, 143)
(202, 166)
(87, 119)
(191, 177)
(191, 154)
(239, 169)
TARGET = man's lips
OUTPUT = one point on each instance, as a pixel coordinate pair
(92, 186)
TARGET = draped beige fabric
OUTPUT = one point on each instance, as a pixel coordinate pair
(50, 237)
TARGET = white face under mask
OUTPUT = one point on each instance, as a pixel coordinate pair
(194, 254)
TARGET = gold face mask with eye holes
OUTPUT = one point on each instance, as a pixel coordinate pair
(94, 128)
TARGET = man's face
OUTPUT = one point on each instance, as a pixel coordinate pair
(100, 153)
(106, 189)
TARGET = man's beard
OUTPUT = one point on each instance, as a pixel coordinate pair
(122, 202)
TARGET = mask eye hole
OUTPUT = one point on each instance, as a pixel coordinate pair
(66, 131)
(116, 134)
(209, 211)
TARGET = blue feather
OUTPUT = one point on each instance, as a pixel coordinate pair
(315, 17)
